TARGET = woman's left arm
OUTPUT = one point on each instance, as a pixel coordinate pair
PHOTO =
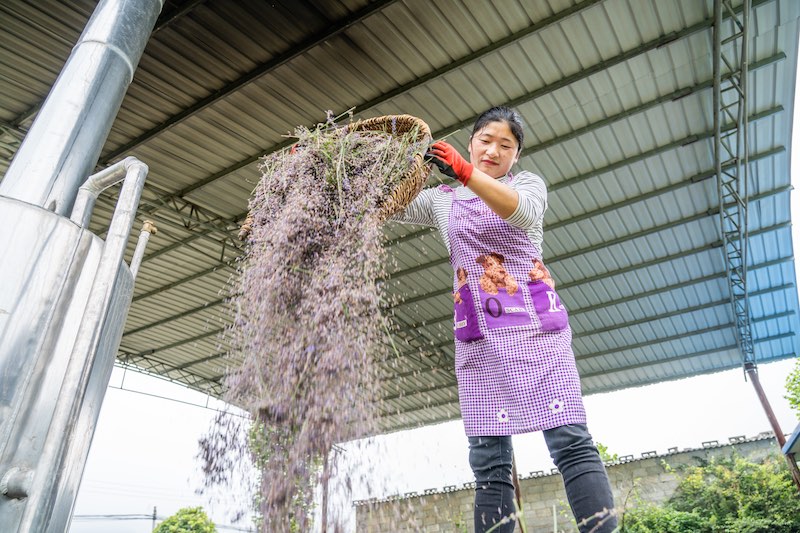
(500, 198)
(532, 193)
(522, 205)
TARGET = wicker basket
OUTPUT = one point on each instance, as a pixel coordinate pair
(412, 181)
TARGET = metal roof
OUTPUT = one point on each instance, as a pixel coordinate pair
(617, 100)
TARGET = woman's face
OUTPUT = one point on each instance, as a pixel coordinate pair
(493, 149)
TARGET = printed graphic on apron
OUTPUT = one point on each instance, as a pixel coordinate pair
(557, 405)
(494, 275)
(465, 326)
(502, 416)
(541, 273)
(551, 313)
(502, 303)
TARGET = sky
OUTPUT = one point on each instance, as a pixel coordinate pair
(144, 453)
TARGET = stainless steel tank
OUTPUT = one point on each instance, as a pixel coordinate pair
(64, 299)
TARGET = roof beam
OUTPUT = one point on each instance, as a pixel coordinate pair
(205, 359)
(671, 97)
(670, 338)
(199, 308)
(684, 284)
(193, 381)
(167, 19)
(192, 216)
(692, 355)
(697, 178)
(658, 150)
(682, 311)
(710, 213)
(224, 246)
(221, 266)
(655, 44)
(720, 368)
(182, 342)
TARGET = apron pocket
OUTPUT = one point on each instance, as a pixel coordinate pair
(503, 310)
(466, 326)
(552, 314)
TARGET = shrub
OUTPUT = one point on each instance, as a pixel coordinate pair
(187, 520)
(793, 388)
(730, 495)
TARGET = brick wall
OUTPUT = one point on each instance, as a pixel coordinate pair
(646, 478)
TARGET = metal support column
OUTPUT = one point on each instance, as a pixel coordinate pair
(731, 159)
(63, 145)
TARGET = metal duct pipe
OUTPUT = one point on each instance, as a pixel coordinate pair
(97, 183)
(64, 142)
(148, 228)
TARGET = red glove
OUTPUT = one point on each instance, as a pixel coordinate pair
(449, 161)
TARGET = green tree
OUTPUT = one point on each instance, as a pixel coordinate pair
(187, 520)
(604, 454)
(793, 388)
(732, 495)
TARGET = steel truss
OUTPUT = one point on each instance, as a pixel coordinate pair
(731, 158)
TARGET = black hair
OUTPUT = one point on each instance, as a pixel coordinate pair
(505, 114)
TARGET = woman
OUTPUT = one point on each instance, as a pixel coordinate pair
(514, 362)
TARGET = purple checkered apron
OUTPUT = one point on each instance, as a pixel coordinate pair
(514, 362)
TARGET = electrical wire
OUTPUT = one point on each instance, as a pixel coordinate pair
(115, 517)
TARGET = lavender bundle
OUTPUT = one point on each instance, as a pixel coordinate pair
(307, 328)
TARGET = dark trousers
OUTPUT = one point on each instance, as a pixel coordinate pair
(575, 456)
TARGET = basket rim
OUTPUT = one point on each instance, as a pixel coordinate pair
(367, 123)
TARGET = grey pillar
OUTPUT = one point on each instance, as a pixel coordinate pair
(63, 145)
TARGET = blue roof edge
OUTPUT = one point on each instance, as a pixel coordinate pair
(793, 443)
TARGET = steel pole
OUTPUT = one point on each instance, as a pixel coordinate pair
(752, 373)
(64, 143)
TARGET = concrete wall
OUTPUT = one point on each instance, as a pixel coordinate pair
(647, 478)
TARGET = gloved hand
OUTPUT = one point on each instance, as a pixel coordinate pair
(449, 161)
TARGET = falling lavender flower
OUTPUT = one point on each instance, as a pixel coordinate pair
(307, 330)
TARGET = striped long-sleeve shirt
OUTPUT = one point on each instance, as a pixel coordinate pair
(432, 206)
